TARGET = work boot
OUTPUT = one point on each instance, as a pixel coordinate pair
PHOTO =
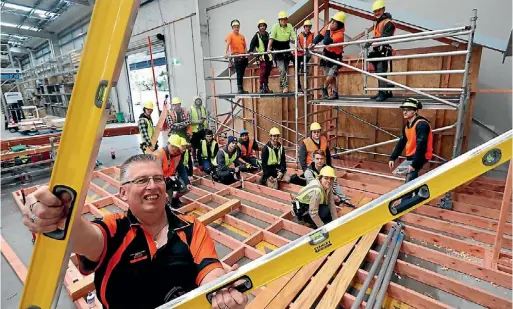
(242, 91)
(381, 96)
(262, 88)
(267, 90)
(334, 95)
(389, 94)
(325, 94)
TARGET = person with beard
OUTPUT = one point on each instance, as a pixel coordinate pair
(145, 257)
(199, 123)
(259, 44)
(312, 173)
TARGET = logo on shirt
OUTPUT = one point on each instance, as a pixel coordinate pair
(138, 256)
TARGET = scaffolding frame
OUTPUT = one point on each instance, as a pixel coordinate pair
(461, 105)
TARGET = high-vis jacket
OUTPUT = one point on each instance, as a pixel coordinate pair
(417, 140)
(303, 195)
(308, 146)
(195, 116)
(209, 154)
(170, 161)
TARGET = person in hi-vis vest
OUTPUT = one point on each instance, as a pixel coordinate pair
(311, 144)
(146, 128)
(314, 204)
(207, 152)
(383, 27)
(259, 44)
(199, 123)
(416, 140)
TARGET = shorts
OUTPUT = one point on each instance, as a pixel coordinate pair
(331, 69)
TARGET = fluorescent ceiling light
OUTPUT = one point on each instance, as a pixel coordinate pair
(4, 24)
(42, 13)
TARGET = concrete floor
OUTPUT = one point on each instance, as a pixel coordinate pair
(19, 238)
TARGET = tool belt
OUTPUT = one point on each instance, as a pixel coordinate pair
(331, 55)
(300, 210)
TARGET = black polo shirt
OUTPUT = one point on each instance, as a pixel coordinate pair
(133, 273)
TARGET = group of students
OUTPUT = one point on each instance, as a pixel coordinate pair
(281, 37)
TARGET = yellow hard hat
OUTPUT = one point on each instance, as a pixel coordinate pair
(315, 126)
(176, 100)
(261, 21)
(175, 140)
(308, 22)
(183, 142)
(274, 131)
(148, 105)
(327, 171)
(282, 14)
(339, 16)
(378, 4)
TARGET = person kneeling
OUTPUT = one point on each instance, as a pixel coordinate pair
(228, 170)
(312, 172)
(208, 153)
(314, 204)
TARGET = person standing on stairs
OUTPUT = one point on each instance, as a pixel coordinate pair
(282, 34)
(314, 204)
(383, 27)
(236, 44)
(178, 120)
(146, 128)
(311, 144)
(417, 139)
(332, 33)
(259, 44)
(199, 123)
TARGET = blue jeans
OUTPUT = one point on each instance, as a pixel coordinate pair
(207, 165)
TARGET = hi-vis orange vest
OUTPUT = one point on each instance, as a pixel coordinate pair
(311, 147)
(378, 28)
(169, 165)
(337, 37)
(301, 42)
(411, 137)
(247, 152)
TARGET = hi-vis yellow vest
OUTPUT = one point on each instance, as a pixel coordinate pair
(273, 159)
(315, 185)
(227, 160)
(204, 152)
(261, 48)
(195, 116)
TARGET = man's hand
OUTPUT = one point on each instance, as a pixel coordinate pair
(229, 298)
(280, 175)
(391, 164)
(44, 212)
(191, 179)
(237, 169)
(411, 169)
(189, 187)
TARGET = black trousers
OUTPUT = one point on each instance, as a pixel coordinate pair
(324, 214)
(240, 68)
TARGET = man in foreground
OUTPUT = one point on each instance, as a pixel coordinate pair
(146, 257)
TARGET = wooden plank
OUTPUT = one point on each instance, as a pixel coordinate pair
(446, 284)
(499, 239)
(458, 264)
(13, 260)
(219, 212)
(158, 128)
(338, 287)
(81, 288)
(322, 277)
(270, 291)
(289, 292)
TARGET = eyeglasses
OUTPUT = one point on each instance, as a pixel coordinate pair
(144, 181)
(408, 110)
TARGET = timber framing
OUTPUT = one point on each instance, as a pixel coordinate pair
(445, 251)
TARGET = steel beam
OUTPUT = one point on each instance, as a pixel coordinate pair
(38, 34)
